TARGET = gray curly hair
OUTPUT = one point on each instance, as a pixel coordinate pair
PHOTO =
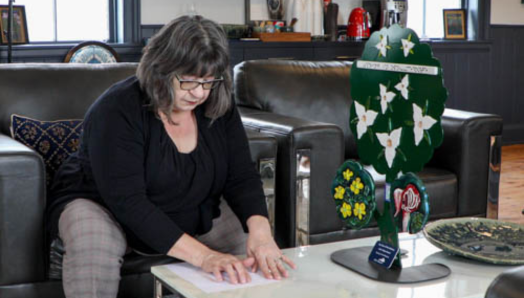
(188, 45)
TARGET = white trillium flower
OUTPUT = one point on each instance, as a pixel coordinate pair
(422, 123)
(365, 118)
(407, 46)
(382, 45)
(390, 142)
(385, 97)
(403, 86)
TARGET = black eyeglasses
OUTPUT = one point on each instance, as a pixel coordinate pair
(188, 85)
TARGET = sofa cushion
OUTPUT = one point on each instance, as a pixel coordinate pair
(309, 90)
(53, 140)
(50, 91)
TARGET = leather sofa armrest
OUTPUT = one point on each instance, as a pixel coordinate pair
(22, 205)
(261, 146)
(263, 150)
(466, 152)
(320, 149)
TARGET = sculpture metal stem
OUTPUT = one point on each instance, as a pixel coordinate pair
(386, 223)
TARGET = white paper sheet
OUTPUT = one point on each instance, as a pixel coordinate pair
(207, 282)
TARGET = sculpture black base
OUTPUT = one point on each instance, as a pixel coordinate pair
(356, 259)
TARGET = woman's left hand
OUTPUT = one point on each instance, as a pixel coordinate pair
(262, 246)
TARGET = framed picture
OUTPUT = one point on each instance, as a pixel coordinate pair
(455, 24)
(19, 28)
(262, 10)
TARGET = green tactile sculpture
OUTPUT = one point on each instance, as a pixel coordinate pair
(398, 100)
(411, 203)
(398, 97)
(354, 193)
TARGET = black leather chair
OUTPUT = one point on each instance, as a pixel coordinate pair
(51, 92)
(305, 105)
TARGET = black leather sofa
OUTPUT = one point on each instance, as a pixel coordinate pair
(52, 92)
(305, 105)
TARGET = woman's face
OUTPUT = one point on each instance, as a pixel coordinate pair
(187, 100)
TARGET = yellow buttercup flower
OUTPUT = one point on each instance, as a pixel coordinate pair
(356, 186)
(346, 210)
(339, 192)
(360, 210)
(348, 174)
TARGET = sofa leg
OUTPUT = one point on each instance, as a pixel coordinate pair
(495, 150)
(302, 197)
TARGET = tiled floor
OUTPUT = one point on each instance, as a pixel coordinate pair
(511, 192)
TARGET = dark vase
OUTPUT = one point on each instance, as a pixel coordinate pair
(330, 20)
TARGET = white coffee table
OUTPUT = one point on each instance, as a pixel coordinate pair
(318, 276)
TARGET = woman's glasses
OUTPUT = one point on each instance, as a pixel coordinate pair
(188, 85)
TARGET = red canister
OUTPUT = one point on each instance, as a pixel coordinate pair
(358, 24)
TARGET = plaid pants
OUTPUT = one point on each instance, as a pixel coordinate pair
(95, 244)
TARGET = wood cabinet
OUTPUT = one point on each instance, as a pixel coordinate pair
(256, 50)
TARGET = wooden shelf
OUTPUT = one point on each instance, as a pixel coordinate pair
(283, 37)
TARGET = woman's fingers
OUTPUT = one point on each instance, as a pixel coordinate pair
(254, 266)
(242, 272)
(231, 273)
(249, 262)
(272, 264)
(273, 267)
(281, 268)
(218, 274)
(288, 262)
(264, 267)
(234, 268)
(237, 272)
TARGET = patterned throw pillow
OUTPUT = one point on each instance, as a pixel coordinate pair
(53, 140)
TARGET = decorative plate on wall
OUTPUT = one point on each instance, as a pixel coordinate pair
(482, 239)
(92, 52)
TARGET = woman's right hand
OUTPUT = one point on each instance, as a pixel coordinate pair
(216, 263)
(188, 249)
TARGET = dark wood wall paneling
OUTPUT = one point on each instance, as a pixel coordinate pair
(466, 67)
(149, 30)
(507, 79)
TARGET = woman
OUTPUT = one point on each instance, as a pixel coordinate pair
(157, 152)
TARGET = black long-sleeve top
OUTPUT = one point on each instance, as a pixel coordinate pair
(128, 163)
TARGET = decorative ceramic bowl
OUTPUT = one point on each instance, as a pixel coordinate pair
(481, 239)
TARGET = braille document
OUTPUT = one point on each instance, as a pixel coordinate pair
(207, 282)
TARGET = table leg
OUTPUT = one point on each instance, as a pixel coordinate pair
(158, 288)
